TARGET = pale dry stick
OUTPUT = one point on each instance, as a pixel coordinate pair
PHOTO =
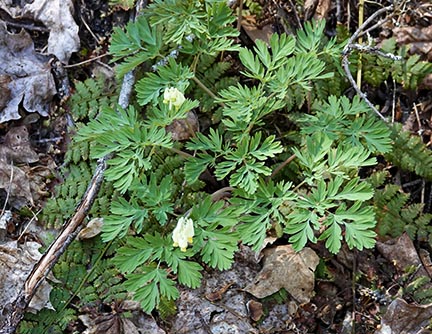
(282, 165)
(394, 101)
(420, 130)
(27, 26)
(345, 64)
(221, 193)
(361, 28)
(89, 30)
(295, 13)
(28, 224)
(240, 15)
(423, 192)
(360, 40)
(347, 51)
(109, 68)
(338, 11)
(348, 16)
(86, 61)
(15, 311)
(377, 25)
(376, 51)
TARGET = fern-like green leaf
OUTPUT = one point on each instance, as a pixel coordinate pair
(150, 285)
(136, 44)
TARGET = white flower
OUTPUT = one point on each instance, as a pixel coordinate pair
(173, 97)
(183, 233)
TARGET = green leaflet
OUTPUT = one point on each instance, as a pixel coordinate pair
(151, 200)
(136, 44)
(244, 164)
(216, 237)
(337, 206)
(150, 285)
(348, 122)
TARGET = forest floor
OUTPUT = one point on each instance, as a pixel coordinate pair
(370, 291)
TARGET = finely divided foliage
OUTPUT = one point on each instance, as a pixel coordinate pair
(240, 149)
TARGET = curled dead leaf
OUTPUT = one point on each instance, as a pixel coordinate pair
(15, 182)
(255, 309)
(419, 39)
(92, 229)
(16, 262)
(183, 129)
(56, 15)
(29, 80)
(288, 269)
(402, 317)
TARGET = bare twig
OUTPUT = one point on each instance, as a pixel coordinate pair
(361, 28)
(240, 15)
(28, 26)
(28, 224)
(376, 51)
(293, 8)
(42, 268)
(351, 46)
(204, 88)
(86, 61)
(420, 130)
(282, 165)
(338, 11)
(360, 39)
(89, 30)
(345, 64)
(394, 101)
(221, 193)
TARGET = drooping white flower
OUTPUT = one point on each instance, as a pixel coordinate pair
(183, 233)
(173, 97)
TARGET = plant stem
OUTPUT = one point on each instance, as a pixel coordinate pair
(282, 165)
(204, 87)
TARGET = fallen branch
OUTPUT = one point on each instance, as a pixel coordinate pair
(15, 311)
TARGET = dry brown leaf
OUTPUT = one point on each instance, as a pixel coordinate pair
(17, 148)
(117, 323)
(93, 228)
(15, 182)
(420, 39)
(16, 262)
(317, 8)
(56, 15)
(183, 129)
(404, 318)
(288, 269)
(124, 4)
(255, 310)
(322, 9)
(29, 80)
(248, 23)
(402, 253)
